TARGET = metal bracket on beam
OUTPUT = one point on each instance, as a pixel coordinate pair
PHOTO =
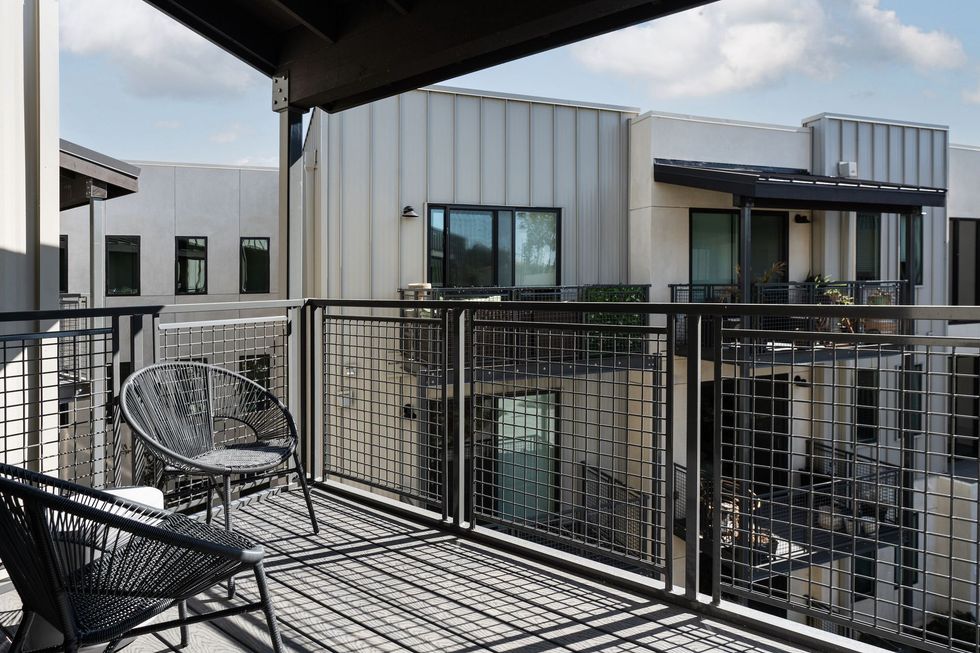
(280, 92)
(96, 190)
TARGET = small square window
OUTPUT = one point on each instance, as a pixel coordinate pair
(191, 266)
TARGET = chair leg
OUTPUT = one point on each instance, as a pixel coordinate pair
(21, 637)
(306, 491)
(227, 501)
(210, 509)
(270, 612)
(182, 613)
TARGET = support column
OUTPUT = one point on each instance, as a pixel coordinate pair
(745, 249)
(97, 194)
(910, 255)
(292, 263)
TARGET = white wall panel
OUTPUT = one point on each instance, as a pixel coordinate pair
(543, 155)
(587, 158)
(467, 150)
(566, 194)
(355, 207)
(518, 158)
(440, 131)
(385, 214)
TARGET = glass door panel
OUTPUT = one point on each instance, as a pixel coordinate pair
(526, 460)
(470, 253)
(714, 247)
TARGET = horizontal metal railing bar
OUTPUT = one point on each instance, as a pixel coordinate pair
(854, 338)
(148, 309)
(572, 326)
(228, 322)
(50, 335)
(231, 306)
(384, 318)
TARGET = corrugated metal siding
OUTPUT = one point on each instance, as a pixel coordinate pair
(439, 147)
(897, 153)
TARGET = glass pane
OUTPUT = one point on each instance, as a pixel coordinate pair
(192, 266)
(63, 264)
(868, 247)
(866, 409)
(254, 266)
(536, 248)
(916, 244)
(964, 254)
(769, 234)
(437, 254)
(526, 456)
(470, 248)
(505, 249)
(714, 247)
(122, 254)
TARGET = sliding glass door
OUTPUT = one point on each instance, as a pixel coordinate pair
(715, 246)
(526, 456)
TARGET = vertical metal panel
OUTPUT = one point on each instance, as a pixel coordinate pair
(467, 150)
(412, 177)
(492, 158)
(910, 157)
(896, 148)
(355, 211)
(612, 212)
(518, 153)
(385, 212)
(334, 202)
(440, 150)
(924, 168)
(587, 157)
(565, 191)
(831, 146)
(865, 149)
(542, 155)
(848, 143)
(879, 143)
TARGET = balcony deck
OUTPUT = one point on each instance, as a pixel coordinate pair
(373, 582)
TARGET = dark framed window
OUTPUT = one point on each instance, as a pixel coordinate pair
(965, 405)
(191, 266)
(62, 263)
(255, 263)
(477, 246)
(122, 266)
(916, 247)
(866, 407)
(964, 243)
(865, 574)
(714, 243)
(258, 369)
(912, 389)
(868, 247)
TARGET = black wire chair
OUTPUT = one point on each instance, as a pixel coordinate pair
(203, 420)
(95, 566)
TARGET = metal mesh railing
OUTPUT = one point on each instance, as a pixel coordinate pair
(383, 425)
(852, 461)
(568, 447)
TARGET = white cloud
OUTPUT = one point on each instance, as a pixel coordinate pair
(972, 97)
(155, 55)
(745, 44)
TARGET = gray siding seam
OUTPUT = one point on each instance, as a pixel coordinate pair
(398, 191)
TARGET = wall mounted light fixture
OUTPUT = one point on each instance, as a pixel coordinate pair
(409, 212)
(799, 218)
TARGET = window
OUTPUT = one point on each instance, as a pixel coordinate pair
(122, 266)
(63, 263)
(964, 272)
(192, 266)
(866, 407)
(868, 247)
(864, 575)
(253, 271)
(916, 247)
(965, 408)
(480, 247)
(257, 368)
(715, 246)
(912, 388)
(526, 463)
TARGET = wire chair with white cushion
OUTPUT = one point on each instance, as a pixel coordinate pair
(204, 420)
(96, 566)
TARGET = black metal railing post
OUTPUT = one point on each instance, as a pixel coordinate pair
(669, 503)
(692, 559)
(447, 326)
(716, 461)
(458, 482)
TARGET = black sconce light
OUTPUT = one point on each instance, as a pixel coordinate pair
(409, 212)
(799, 218)
(800, 382)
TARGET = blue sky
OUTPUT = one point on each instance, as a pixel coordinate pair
(137, 86)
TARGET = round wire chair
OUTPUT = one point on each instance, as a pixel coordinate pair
(204, 420)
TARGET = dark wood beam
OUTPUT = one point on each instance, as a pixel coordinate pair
(401, 6)
(318, 16)
(227, 24)
(385, 53)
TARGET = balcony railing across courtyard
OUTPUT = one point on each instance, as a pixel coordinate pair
(830, 491)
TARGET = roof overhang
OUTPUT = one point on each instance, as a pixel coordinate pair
(85, 172)
(796, 189)
(341, 53)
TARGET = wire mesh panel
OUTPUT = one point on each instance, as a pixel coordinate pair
(256, 348)
(566, 439)
(847, 470)
(55, 405)
(384, 380)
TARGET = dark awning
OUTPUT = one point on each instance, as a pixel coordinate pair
(341, 53)
(797, 189)
(81, 167)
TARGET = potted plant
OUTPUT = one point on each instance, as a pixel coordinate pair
(879, 297)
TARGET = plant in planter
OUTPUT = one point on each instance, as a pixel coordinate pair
(830, 292)
(879, 297)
